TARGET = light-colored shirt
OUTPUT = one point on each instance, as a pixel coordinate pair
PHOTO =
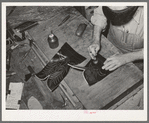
(135, 26)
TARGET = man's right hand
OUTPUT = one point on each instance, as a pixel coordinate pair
(93, 50)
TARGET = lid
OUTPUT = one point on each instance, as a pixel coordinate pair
(51, 35)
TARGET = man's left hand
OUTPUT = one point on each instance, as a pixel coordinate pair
(115, 61)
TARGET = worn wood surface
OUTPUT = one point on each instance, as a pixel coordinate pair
(92, 97)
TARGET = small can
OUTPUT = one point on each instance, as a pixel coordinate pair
(53, 41)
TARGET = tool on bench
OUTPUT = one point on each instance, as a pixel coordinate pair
(25, 26)
(26, 54)
(17, 34)
(11, 11)
(80, 30)
(64, 20)
(12, 35)
(10, 73)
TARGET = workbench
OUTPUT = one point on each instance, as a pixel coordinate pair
(102, 95)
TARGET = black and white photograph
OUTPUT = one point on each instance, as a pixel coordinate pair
(67, 61)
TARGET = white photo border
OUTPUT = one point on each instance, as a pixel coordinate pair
(71, 115)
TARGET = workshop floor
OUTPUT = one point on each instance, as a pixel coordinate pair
(135, 102)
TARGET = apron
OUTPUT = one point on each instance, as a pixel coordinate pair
(125, 42)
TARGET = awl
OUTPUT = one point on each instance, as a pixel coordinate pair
(64, 20)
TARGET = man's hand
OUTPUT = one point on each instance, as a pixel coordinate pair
(93, 50)
(115, 61)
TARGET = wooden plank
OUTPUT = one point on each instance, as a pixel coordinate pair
(124, 99)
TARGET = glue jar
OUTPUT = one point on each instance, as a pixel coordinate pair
(53, 41)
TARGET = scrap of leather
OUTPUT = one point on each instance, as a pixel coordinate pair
(33, 103)
(61, 69)
(93, 73)
(73, 56)
(56, 70)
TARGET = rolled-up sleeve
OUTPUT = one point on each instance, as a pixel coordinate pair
(99, 18)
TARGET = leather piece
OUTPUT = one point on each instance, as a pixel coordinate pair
(94, 72)
(56, 70)
(74, 57)
(58, 75)
(119, 17)
(51, 68)
(33, 103)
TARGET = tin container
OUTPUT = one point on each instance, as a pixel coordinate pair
(53, 41)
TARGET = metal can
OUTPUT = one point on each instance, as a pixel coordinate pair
(53, 41)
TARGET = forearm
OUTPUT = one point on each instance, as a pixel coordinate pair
(116, 61)
(133, 56)
(97, 34)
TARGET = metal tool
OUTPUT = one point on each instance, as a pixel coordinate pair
(25, 26)
(95, 61)
(64, 20)
(10, 73)
(13, 35)
(26, 54)
(13, 8)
